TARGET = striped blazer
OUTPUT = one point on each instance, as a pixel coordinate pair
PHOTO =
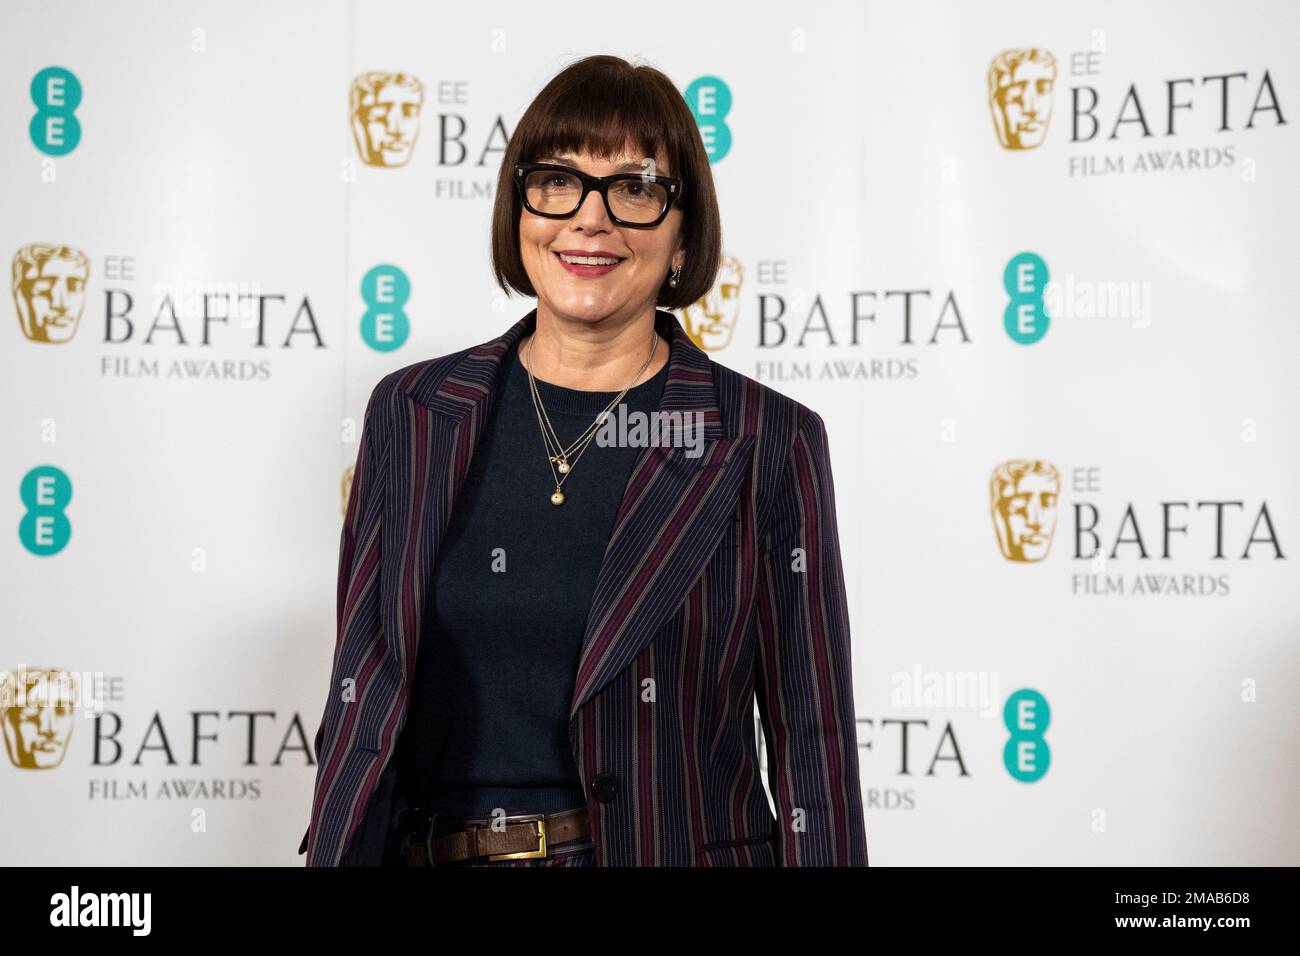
(721, 584)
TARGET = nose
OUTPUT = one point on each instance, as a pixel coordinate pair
(592, 214)
(1034, 514)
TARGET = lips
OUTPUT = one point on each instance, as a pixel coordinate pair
(587, 271)
(599, 253)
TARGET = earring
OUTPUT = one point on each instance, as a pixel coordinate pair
(677, 274)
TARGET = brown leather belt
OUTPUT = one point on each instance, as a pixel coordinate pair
(520, 837)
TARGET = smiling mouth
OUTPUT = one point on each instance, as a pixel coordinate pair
(591, 260)
(589, 265)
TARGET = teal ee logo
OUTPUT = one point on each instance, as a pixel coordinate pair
(1025, 279)
(710, 101)
(54, 129)
(384, 290)
(1026, 754)
(45, 492)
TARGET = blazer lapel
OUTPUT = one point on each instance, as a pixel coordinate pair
(673, 512)
(435, 442)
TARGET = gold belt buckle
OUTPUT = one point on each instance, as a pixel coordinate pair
(540, 820)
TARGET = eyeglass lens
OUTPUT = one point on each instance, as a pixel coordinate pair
(557, 193)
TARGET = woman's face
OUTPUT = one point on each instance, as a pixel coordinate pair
(588, 295)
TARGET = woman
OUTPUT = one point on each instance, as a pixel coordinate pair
(552, 631)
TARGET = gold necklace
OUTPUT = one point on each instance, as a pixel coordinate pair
(557, 455)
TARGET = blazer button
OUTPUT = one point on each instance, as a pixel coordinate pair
(604, 786)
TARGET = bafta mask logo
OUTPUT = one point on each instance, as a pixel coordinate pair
(39, 709)
(49, 286)
(1023, 504)
(346, 488)
(1020, 96)
(711, 320)
(385, 113)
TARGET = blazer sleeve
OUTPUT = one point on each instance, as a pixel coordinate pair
(803, 680)
(365, 474)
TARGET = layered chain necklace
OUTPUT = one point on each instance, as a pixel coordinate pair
(562, 459)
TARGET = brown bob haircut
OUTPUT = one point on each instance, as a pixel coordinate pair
(599, 105)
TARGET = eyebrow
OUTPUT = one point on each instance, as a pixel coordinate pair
(567, 160)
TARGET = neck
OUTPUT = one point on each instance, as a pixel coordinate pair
(601, 356)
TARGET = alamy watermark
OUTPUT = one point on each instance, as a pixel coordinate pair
(637, 429)
(945, 690)
(1075, 298)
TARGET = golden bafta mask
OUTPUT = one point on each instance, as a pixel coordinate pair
(385, 113)
(39, 709)
(1020, 96)
(49, 287)
(1022, 500)
(346, 487)
(711, 320)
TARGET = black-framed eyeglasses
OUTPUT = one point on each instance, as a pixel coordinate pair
(636, 200)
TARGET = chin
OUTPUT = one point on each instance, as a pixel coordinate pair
(591, 310)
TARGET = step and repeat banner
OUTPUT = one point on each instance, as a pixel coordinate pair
(1033, 264)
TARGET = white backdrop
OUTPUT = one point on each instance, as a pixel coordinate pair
(861, 170)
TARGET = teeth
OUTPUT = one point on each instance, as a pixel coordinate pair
(589, 260)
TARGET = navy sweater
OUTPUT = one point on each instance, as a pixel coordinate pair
(495, 672)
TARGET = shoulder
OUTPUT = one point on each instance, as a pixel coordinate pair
(749, 407)
(790, 441)
(417, 378)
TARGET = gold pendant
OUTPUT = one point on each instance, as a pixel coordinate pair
(558, 497)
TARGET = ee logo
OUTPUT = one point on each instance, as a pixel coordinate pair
(384, 290)
(1026, 754)
(710, 101)
(45, 492)
(1025, 278)
(55, 129)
